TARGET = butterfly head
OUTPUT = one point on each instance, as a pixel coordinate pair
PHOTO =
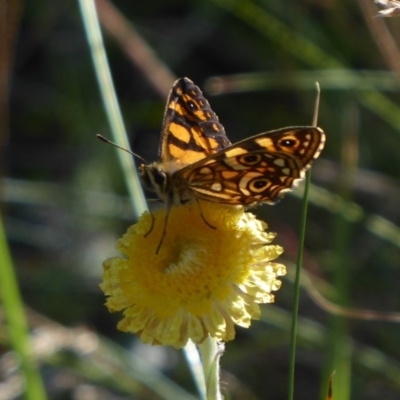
(154, 179)
(162, 179)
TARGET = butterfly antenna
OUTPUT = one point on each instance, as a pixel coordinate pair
(102, 138)
(316, 106)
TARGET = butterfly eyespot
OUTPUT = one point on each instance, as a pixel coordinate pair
(259, 185)
(288, 143)
(250, 159)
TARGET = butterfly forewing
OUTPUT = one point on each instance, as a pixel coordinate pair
(191, 130)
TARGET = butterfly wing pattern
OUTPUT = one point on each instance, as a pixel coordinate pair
(191, 129)
(256, 170)
(197, 160)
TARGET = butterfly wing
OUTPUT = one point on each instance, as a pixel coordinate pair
(191, 130)
(259, 169)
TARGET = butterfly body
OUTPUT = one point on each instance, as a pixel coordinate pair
(197, 160)
(160, 178)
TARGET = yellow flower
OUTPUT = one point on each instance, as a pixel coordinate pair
(202, 281)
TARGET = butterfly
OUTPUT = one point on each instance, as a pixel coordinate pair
(198, 162)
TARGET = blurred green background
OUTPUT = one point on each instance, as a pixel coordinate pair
(64, 201)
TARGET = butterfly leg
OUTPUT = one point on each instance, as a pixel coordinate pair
(202, 215)
(152, 224)
(164, 229)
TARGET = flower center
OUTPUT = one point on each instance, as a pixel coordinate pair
(185, 259)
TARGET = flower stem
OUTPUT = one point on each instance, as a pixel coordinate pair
(211, 351)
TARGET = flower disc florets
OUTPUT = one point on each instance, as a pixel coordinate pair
(202, 281)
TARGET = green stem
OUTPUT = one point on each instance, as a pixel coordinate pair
(16, 322)
(111, 106)
(211, 352)
(293, 330)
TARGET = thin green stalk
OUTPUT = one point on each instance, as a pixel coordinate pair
(295, 312)
(293, 330)
(338, 343)
(16, 322)
(329, 79)
(111, 106)
(340, 354)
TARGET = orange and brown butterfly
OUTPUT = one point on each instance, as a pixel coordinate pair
(197, 160)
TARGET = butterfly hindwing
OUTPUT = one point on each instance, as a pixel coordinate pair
(259, 169)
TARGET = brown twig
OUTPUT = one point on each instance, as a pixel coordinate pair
(135, 47)
(332, 308)
(382, 36)
(10, 12)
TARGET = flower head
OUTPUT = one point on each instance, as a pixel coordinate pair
(202, 281)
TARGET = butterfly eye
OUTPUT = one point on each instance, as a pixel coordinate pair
(250, 159)
(159, 178)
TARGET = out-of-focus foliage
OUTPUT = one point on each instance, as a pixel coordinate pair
(64, 201)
